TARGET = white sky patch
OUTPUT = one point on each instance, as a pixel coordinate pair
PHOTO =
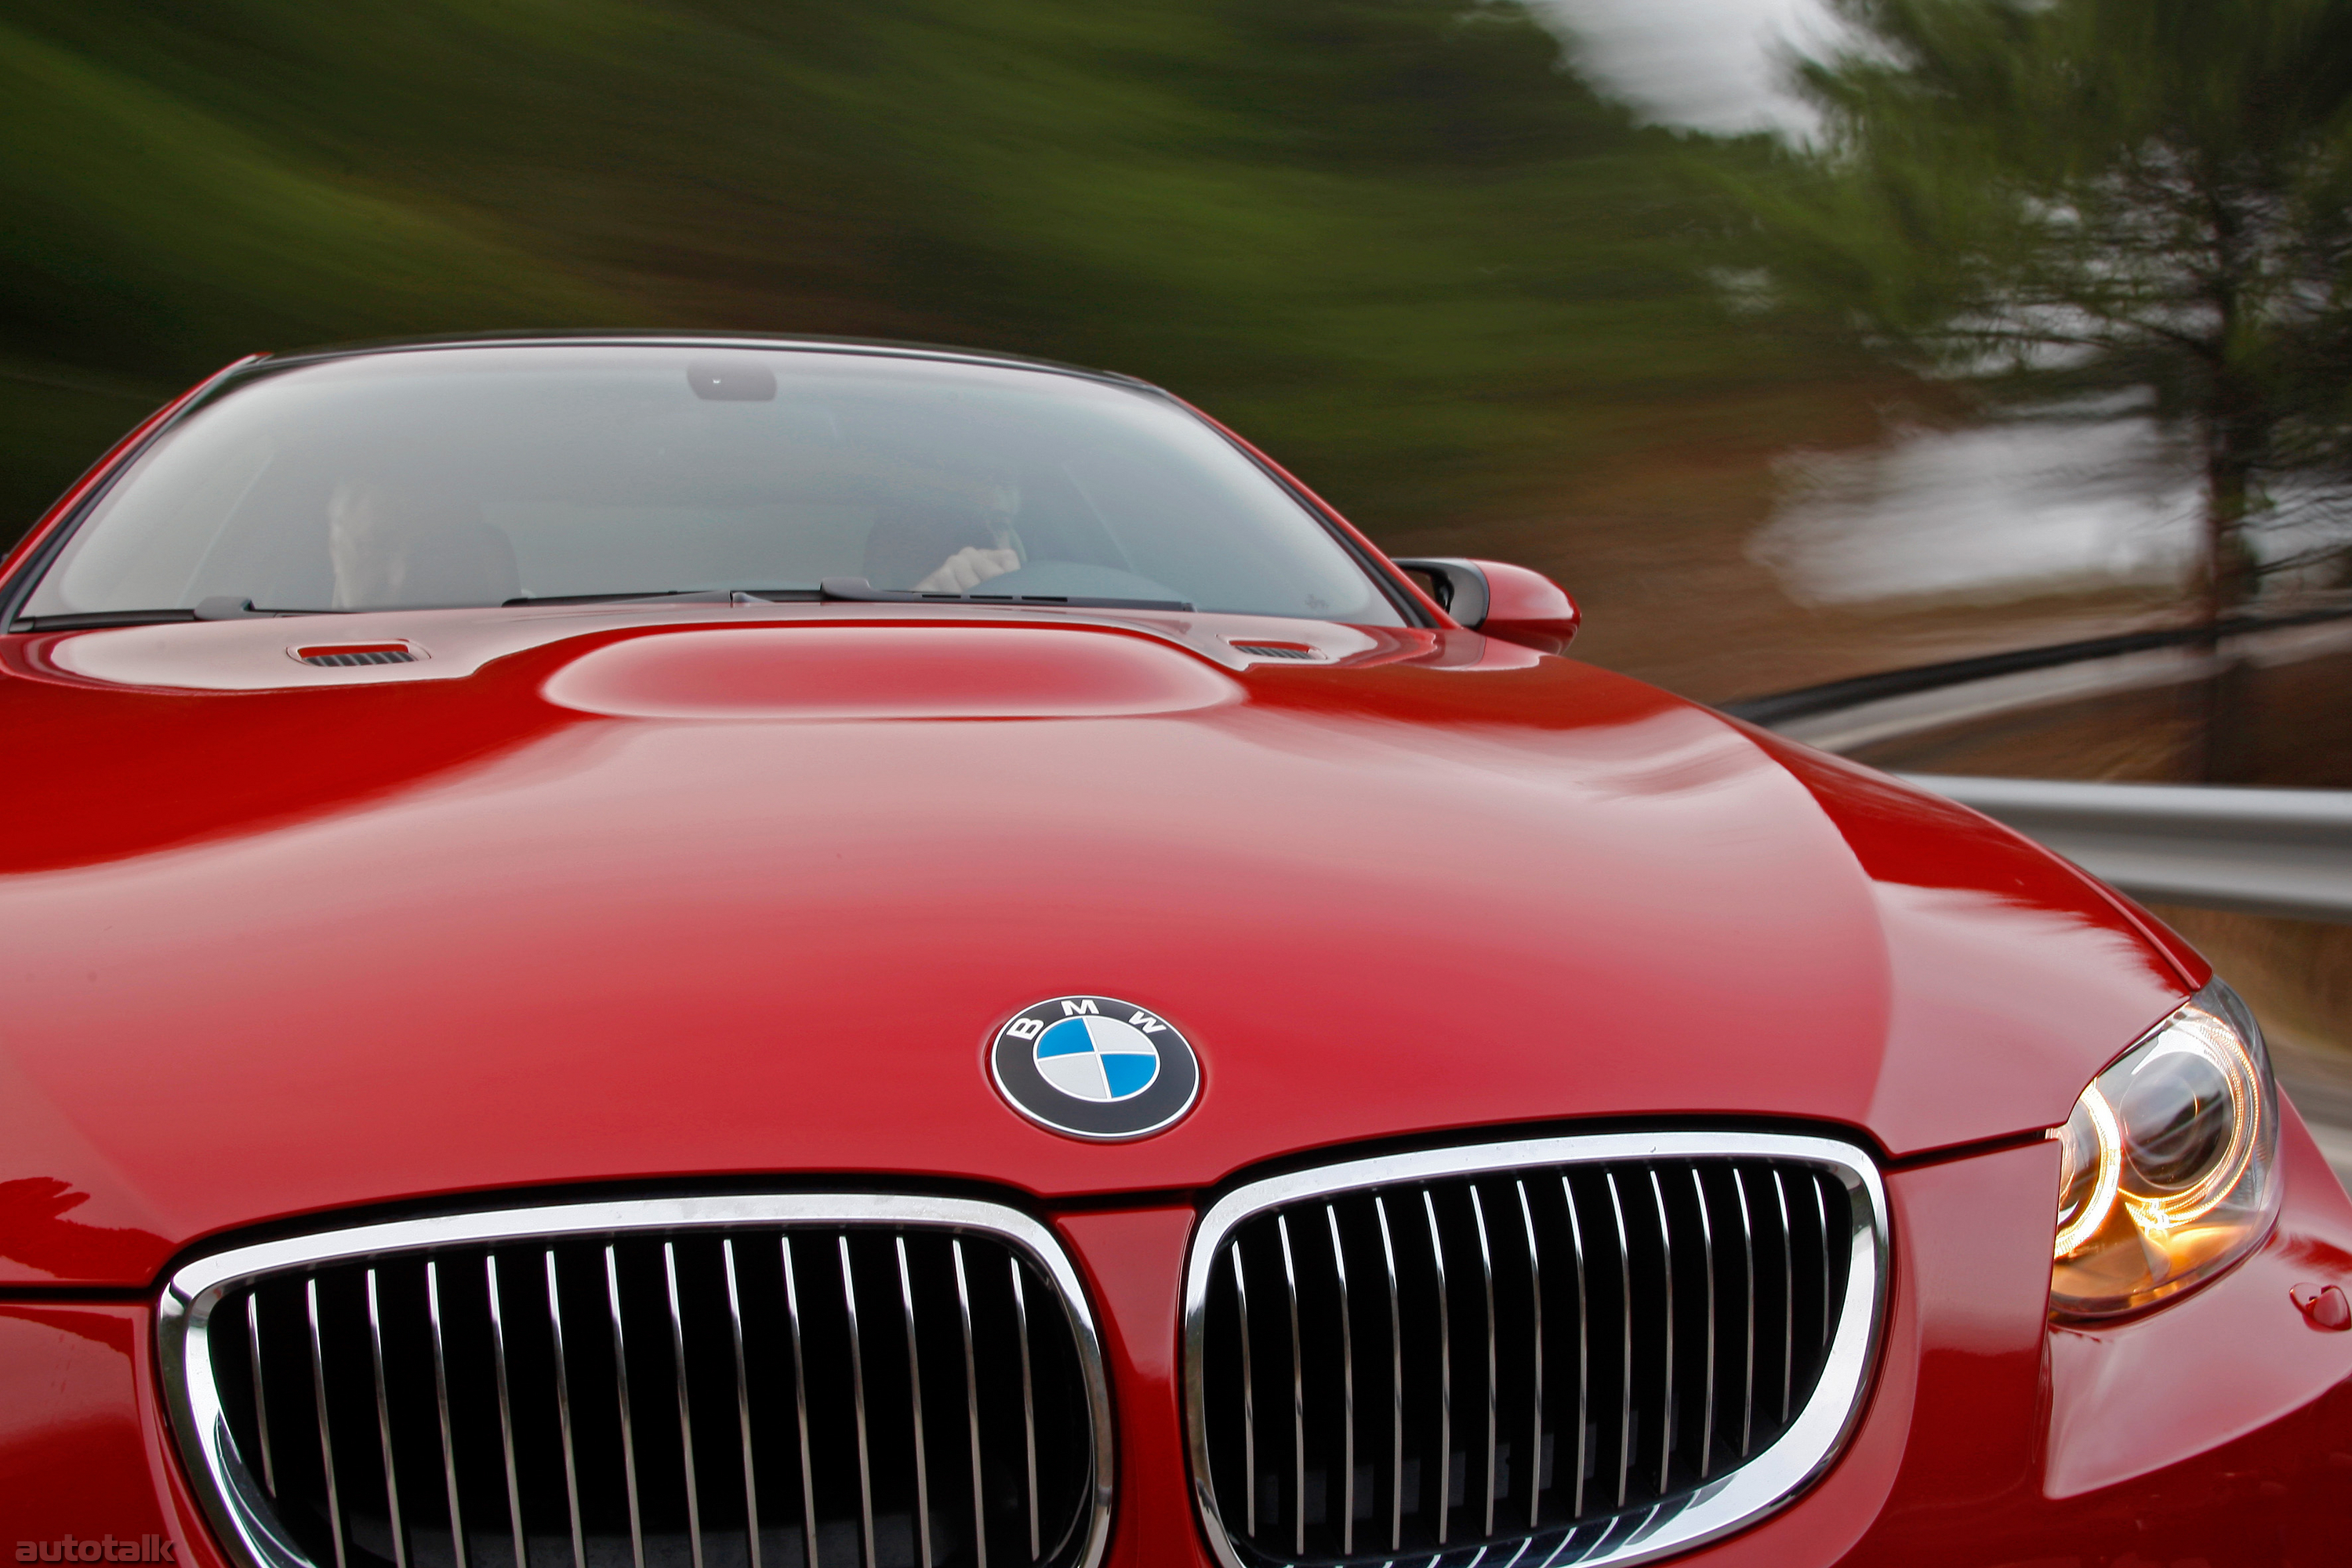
(2001, 509)
(1713, 64)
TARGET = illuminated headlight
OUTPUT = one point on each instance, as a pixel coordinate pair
(2167, 1167)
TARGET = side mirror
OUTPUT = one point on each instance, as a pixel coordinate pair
(1501, 600)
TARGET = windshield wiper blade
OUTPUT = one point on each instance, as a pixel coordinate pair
(857, 590)
(94, 619)
(669, 596)
(854, 590)
(218, 608)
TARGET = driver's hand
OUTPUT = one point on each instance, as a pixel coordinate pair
(967, 569)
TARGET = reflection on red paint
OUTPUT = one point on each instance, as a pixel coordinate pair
(34, 1231)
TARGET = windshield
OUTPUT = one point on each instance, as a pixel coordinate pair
(481, 476)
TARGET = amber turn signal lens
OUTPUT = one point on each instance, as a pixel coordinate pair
(2168, 1165)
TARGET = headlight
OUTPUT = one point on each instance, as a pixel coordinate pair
(2168, 1170)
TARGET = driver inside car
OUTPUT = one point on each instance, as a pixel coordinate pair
(936, 547)
(970, 567)
(392, 547)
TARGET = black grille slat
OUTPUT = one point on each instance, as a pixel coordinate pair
(1564, 1353)
(559, 1368)
(743, 1405)
(1583, 1361)
(1348, 1383)
(395, 1518)
(668, 1400)
(1028, 1409)
(327, 1467)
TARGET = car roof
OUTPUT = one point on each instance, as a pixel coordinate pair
(815, 342)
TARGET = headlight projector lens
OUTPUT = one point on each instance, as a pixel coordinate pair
(2167, 1166)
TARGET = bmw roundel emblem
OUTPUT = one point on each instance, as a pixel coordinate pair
(1094, 1067)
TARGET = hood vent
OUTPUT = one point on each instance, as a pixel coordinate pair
(1276, 650)
(342, 655)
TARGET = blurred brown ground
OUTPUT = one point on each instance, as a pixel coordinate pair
(2287, 726)
(2297, 977)
(1654, 546)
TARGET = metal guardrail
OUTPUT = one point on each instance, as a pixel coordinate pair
(2282, 852)
(2285, 852)
(1781, 709)
(1845, 715)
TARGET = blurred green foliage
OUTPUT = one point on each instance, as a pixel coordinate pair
(1403, 243)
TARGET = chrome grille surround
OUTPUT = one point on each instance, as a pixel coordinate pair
(1739, 1497)
(235, 1498)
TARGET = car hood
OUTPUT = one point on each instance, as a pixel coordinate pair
(644, 895)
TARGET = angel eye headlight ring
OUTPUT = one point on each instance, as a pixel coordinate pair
(2093, 1147)
(2167, 1164)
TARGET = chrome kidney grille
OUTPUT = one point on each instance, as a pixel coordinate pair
(835, 1383)
(1552, 1351)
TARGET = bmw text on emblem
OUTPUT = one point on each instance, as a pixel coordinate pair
(1093, 1066)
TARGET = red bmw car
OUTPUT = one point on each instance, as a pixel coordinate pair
(695, 952)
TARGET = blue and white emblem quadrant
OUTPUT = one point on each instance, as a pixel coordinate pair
(1095, 1059)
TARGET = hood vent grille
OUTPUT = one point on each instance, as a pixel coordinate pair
(1276, 650)
(340, 655)
(767, 1396)
(1564, 1362)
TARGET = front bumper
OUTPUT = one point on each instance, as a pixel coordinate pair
(2216, 1429)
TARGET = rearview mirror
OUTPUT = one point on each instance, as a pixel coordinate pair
(1501, 600)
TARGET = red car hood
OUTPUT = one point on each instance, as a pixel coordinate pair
(639, 896)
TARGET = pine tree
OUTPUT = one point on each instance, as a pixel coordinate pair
(2047, 198)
